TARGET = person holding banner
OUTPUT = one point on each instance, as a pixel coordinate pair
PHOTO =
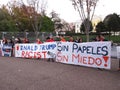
(51, 55)
(48, 39)
(38, 41)
(100, 38)
(18, 40)
(80, 40)
(11, 43)
(96, 38)
(26, 40)
(71, 39)
(62, 39)
(4, 41)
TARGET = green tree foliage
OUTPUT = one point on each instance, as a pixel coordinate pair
(20, 17)
(112, 22)
(7, 26)
(47, 25)
(6, 22)
(86, 22)
(82, 28)
(100, 27)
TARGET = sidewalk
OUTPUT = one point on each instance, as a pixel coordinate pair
(114, 64)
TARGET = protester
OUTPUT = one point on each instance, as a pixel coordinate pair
(4, 41)
(26, 40)
(51, 55)
(62, 39)
(38, 41)
(80, 40)
(51, 39)
(11, 43)
(7, 47)
(18, 40)
(48, 39)
(96, 38)
(71, 39)
(99, 38)
(102, 38)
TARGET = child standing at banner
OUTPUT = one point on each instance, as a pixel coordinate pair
(51, 55)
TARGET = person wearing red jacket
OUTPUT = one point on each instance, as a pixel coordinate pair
(38, 41)
(48, 39)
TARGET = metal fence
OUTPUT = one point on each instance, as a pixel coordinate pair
(30, 35)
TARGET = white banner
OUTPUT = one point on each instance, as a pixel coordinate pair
(91, 54)
(6, 50)
(35, 50)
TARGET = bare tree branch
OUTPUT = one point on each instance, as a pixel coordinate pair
(86, 9)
